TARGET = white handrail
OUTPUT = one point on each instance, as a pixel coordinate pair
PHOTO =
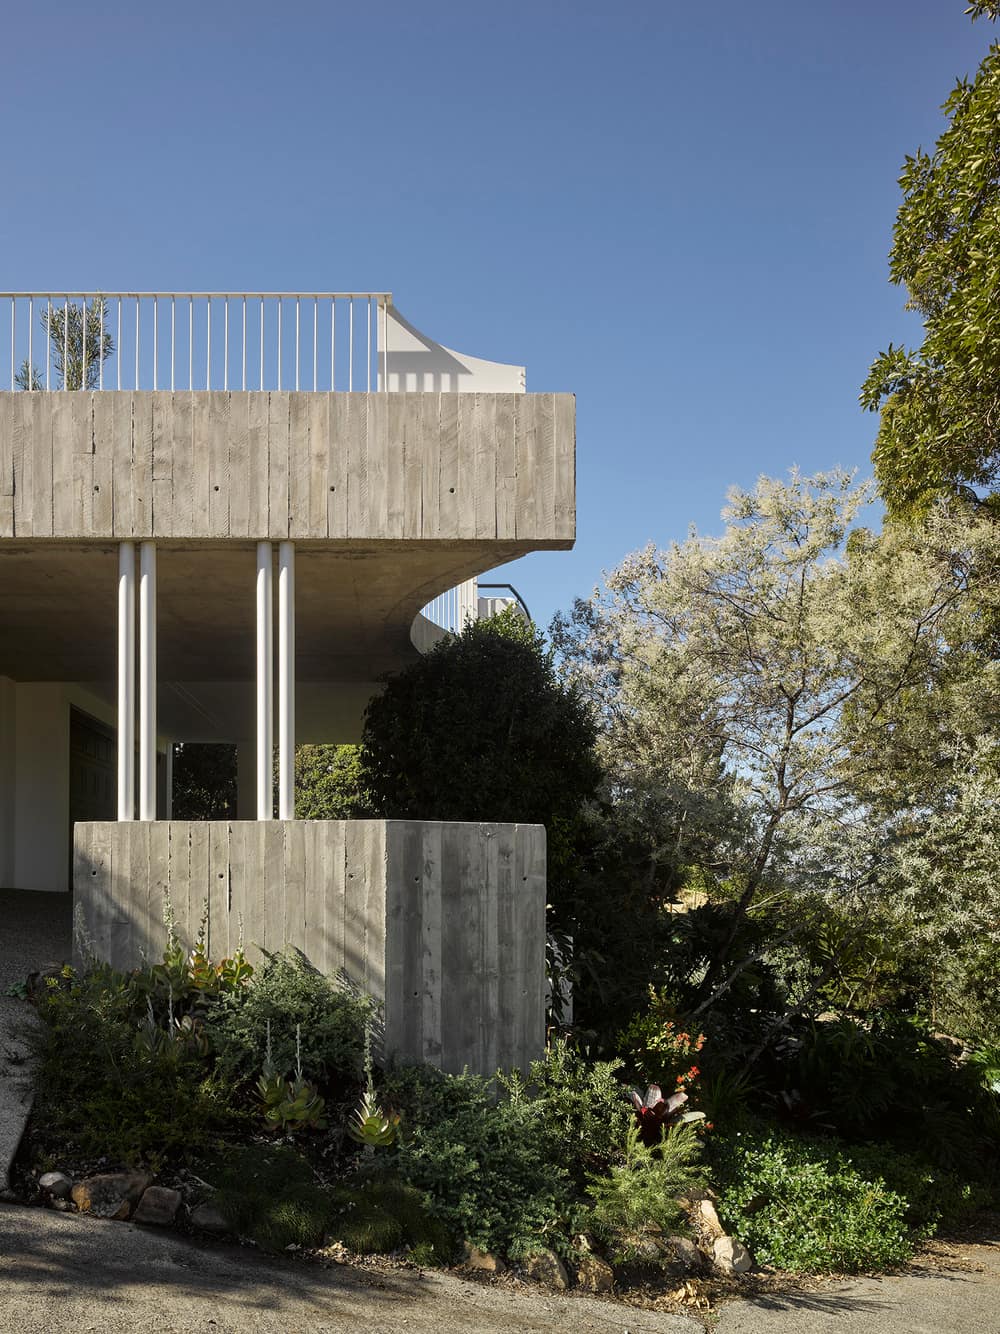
(140, 340)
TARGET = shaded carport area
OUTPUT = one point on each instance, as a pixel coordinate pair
(355, 608)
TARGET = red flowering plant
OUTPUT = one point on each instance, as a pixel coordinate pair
(658, 1049)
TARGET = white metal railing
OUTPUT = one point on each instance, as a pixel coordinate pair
(454, 609)
(196, 340)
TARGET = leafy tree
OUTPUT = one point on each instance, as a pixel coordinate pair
(939, 432)
(760, 681)
(80, 344)
(480, 728)
(204, 781)
(946, 896)
(329, 783)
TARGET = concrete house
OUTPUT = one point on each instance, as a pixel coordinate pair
(222, 518)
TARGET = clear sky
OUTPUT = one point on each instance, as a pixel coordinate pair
(681, 212)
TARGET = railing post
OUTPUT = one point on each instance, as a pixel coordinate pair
(126, 681)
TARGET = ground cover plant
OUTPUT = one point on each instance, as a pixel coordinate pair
(176, 1063)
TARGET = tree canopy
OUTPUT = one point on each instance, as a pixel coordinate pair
(80, 342)
(939, 433)
(480, 728)
(785, 688)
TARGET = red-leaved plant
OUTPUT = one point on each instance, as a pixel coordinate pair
(655, 1113)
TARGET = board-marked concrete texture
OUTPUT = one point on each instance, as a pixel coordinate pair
(277, 465)
(443, 922)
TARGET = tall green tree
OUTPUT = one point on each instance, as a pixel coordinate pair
(939, 404)
(480, 728)
(329, 784)
(80, 341)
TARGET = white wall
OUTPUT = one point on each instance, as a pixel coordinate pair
(39, 856)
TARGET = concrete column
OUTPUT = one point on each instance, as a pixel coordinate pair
(265, 683)
(126, 681)
(147, 681)
(286, 681)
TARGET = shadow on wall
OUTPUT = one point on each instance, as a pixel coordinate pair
(415, 362)
(444, 923)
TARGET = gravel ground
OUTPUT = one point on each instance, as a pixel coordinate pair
(35, 930)
(60, 1271)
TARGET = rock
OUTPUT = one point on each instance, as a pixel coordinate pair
(709, 1219)
(158, 1206)
(65, 1206)
(594, 1274)
(207, 1218)
(646, 1248)
(694, 1194)
(731, 1256)
(56, 1184)
(489, 1263)
(687, 1253)
(110, 1195)
(546, 1268)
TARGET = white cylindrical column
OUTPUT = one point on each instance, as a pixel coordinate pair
(147, 681)
(126, 681)
(286, 681)
(265, 684)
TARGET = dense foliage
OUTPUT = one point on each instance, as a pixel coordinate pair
(939, 432)
(480, 728)
(329, 783)
(204, 781)
(805, 1205)
(302, 1016)
(783, 711)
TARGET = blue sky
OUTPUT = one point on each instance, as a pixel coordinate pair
(680, 212)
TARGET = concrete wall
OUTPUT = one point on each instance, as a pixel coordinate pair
(444, 923)
(375, 466)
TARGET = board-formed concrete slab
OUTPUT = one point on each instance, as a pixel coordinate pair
(289, 465)
(444, 923)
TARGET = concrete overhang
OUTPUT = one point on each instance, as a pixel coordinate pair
(355, 608)
(390, 497)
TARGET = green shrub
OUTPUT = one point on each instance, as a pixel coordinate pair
(483, 1163)
(656, 1047)
(933, 1195)
(269, 1194)
(640, 1193)
(583, 1109)
(384, 1214)
(114, 1080)
(805, 1205)
(287, 992)
(890, 1080)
